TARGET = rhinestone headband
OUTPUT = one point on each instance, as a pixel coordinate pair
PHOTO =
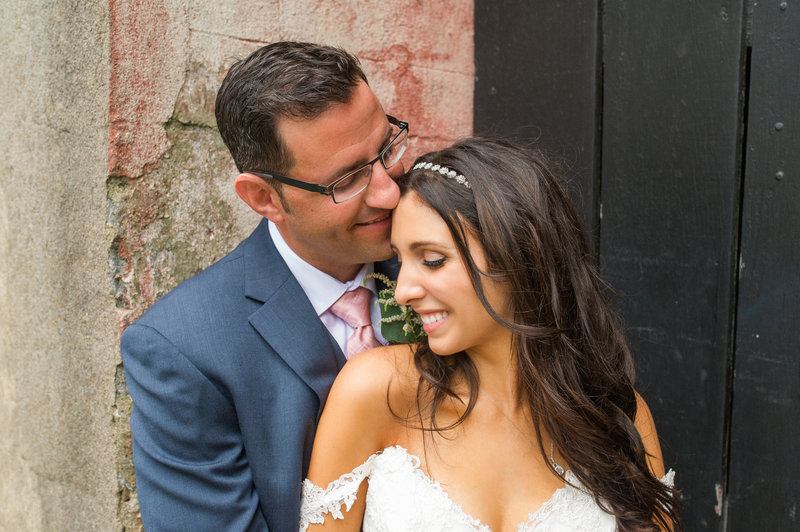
(445, 171)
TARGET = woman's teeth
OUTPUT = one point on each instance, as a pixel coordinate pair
(427, 319)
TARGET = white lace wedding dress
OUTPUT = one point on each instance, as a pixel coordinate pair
(401, 497)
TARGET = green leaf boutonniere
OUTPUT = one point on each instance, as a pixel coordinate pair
(399, 323)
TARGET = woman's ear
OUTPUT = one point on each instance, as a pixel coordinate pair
(260, 196)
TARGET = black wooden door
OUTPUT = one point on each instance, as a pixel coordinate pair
(764, 462)
(683, 123)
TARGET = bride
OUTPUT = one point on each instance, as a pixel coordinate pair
(518, 410)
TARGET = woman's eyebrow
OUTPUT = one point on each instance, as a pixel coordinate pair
(423, 243)
(415, 245)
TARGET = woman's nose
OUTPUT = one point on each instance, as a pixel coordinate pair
(408, 288)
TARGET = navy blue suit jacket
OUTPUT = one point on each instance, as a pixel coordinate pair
(228, 374)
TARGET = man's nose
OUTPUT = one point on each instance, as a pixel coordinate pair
(383, 192)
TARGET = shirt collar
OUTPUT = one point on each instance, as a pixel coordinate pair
(321, 289)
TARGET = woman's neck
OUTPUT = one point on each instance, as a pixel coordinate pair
(497, 372)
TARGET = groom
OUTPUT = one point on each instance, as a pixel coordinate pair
(229, 372)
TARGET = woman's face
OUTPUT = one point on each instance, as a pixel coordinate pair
(435, 281)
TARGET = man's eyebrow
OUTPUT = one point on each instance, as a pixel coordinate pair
(355, 166)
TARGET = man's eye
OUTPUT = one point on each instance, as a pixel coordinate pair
(390, 152)
(346, 182)
(353, 180)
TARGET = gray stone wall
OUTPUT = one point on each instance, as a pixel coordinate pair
(58, 329)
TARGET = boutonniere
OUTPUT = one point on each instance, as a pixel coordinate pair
(399, 323)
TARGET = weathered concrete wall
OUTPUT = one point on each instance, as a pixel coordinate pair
(117, 187)
(57, 326)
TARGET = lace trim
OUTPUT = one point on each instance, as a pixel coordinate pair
(574, 492)
(547, 507)
(317, 502)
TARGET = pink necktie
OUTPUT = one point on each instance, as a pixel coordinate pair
(353, 307)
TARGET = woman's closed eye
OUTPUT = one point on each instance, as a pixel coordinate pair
(433, 260)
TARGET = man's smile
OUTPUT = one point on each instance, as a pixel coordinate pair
(378, 219)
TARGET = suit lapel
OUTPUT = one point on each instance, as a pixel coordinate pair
(286, 320)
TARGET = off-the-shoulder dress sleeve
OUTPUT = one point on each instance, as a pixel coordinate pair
(317, 502)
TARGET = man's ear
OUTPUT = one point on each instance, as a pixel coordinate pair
(260, 196)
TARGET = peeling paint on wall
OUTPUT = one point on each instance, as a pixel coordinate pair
(148, 43)
(720, 499)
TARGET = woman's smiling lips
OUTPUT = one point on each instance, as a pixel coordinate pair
(432, 320)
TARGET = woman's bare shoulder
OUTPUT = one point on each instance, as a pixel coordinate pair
(376, 368)
(373, 376)
(647, 430)
(361, 412)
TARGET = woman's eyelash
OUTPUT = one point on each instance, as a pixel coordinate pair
(433, 263)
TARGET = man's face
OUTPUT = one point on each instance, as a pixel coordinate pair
(339, 238)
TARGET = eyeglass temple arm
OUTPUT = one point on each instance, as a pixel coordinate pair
(399, 123)
(313, 187)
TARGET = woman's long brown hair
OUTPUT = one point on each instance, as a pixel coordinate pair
(574, 368)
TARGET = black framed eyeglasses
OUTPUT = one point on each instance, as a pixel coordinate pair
(353, 183)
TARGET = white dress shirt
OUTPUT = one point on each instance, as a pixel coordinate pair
(323, 290)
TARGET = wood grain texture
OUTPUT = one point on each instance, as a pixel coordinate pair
(765, 472)
(536, 79)
(669, 202)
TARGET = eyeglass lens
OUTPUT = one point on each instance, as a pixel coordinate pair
(357, 181)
